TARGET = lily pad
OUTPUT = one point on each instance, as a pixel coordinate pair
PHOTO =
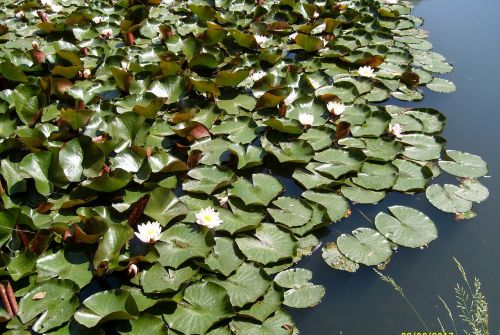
(365, 246)
(407, 227)
(268, 244)
(203, 305)
(463, 164)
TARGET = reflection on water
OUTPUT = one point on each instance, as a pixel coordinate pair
(361, 303)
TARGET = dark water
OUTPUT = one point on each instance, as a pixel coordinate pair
(467, 33)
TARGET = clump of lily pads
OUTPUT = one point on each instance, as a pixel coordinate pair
(164, 164)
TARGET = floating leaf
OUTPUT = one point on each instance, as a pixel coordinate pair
(292, 212)
(464, 164)
(203, 305)
(472, 190)
(407, 227)
(107, 305)
(245, 286)
(365, 246)
(57, 305)
(160, 279)
(182, 242)
(208, 179)
(334, 258)
(441, 85)
(268, 244)
(446, 199)
(264, 189)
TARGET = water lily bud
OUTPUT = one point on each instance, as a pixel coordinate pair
(85, 51)
(60, 85)
(306, 119)
(129, 38)
(37, 54)
(43, 16)
(315, 14)
(133, 270)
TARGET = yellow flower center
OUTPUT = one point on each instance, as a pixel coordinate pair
(207, 217)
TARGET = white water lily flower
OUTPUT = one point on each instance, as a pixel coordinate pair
(292, 36)
(107, 33)
(336, 108)
(46, 2)
(261, 39)
(55, 8)
(35, 45)
(395, 129)
(315, 14)
(366, 71)
(391, 2)
(86, 73)
(20, 14)
(291, 98)
(149, 232)
(257, 75)
(306, 119)
(208, 217)
(125, 65)
(98, 19)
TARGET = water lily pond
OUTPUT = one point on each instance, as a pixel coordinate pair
(234, 167)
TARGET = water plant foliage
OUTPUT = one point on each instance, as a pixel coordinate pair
(115, 113)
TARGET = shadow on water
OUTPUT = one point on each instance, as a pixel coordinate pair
(467, 34)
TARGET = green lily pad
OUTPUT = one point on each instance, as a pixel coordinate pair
(54, 301)
(464, 164)
(292, 213)
(160, 279)
(366, 246)
(446, 199)
(335, 259)
(182, 242)
(203, 305)
(407, 227)
(268, 244)
(264, 189)
(107, 305)
(224, 257)
(441, 85)
(245, 286)
(279, 324)
(207, 179)
(472, 190)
